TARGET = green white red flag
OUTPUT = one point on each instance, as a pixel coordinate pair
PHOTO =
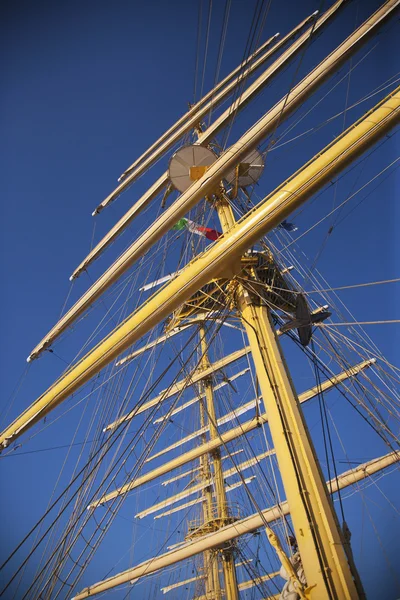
(207, 232)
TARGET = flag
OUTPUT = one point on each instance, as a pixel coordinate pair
(207, 232)
(287, 226)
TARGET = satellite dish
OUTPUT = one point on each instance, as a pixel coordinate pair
(188, 164)
(250, 170)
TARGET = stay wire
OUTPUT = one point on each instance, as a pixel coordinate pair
(199, 24)
(116, 434)
(220, 52)
(147, 452)
(324, 418)
(248, 48)
(148, 449)
(210, 8)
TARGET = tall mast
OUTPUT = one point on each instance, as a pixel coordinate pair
(318, 534)
(210, 565)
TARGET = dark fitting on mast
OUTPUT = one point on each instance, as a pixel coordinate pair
(304, 320)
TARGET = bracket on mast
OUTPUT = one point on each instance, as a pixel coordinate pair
(246, 173)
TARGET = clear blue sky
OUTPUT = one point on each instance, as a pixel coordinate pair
(86, 87)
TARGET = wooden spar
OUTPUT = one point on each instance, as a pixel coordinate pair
(230, 532)
(194, 321)
(168, 588)
(173, 586)
(218, 98)
(211, 179)
(247, 464)
(200, 394)
(229, 489)
(159, 185)
(183, 459)
(334, 380)
(232, 434)
(211, 263)
(192, 471)
(308, 395)
(151, 345)
(180, 385)
(245, 585)
(194, 377)
(237, 412)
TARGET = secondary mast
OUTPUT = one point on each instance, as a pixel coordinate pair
(219, 515)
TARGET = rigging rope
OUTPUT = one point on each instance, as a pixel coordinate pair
(210, 7)
(359, 323)
(357, 285)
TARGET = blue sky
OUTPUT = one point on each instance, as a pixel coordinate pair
(86, 87)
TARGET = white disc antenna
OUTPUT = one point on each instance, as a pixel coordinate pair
(248, 171)
(188, 164)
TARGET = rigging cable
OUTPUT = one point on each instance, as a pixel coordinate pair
(116, 434)
(258, 21)
(325, 425)
(220, 52)
(199, 22)
(210, 6)
(357, 285)
(125, 459)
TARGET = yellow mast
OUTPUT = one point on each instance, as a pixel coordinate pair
(211, 568)
(210, 564)
(276, 207)
(318, 534)
(221, 518)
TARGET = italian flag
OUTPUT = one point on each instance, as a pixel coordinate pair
(210, 234)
